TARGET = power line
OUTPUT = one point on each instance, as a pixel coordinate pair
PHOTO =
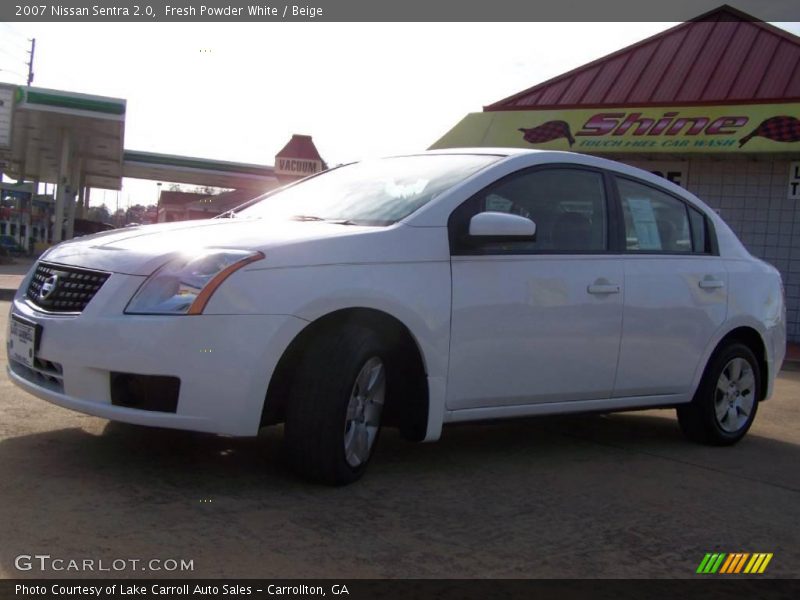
(19, 45)
(12, 55)
(18, 74)
(11, 29)
(17, 60)
(14, 42)
(14, 64)
(14, 48)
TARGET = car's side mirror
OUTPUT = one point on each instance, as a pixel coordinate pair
(499, 226)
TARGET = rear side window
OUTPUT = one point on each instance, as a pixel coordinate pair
(658, 222)
(698, 224)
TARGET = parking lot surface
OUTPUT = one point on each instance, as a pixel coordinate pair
(586, 496)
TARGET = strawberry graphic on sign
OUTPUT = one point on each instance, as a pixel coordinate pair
(777, 129)
(547, 132)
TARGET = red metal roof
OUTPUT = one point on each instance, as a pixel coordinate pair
(721, 57)
(300, 146)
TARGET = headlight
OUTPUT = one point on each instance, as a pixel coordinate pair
(184, 285)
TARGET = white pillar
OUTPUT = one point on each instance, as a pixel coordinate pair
(74, 189)
(69, 216)
(85, 201)
(61, 192)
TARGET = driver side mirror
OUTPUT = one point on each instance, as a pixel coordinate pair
(500, 226)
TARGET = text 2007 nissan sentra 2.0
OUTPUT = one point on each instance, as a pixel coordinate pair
(411, 292)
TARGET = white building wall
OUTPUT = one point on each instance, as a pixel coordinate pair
(751, 195)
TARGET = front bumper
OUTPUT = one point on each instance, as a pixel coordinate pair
(224, 362)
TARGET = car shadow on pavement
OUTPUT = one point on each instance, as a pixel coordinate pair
(193, 460)
(598, 492)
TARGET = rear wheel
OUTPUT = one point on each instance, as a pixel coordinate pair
(334, 414)
(726, 402)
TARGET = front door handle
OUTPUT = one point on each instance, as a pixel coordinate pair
(603, 286)
(710, 283)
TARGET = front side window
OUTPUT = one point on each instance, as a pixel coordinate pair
(658, 222)
(374, 192)
(568, 206)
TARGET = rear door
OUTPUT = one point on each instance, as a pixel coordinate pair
(676, 290)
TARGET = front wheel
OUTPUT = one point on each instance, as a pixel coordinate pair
(726, 401)
(334, 415)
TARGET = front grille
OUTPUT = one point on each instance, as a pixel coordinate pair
(64, 289)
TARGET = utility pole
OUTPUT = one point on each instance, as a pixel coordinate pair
(30, 64)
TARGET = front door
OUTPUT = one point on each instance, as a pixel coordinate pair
(536, 321)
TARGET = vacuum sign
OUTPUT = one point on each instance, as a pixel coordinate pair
(297, 166)
(745, 128)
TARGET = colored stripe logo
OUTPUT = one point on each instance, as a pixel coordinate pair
(734, 563)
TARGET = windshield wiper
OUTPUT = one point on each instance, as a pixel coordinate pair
(332, 221)
(306, 218)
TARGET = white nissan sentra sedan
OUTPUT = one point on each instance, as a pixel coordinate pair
(410, 292)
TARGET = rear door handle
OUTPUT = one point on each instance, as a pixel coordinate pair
(603, 286)
(711, 283)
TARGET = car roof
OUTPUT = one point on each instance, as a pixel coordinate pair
(491, 151)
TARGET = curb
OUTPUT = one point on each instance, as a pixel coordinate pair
(7, 295)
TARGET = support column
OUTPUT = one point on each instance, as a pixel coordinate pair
(74, 189)
(69, 215)
(61, 191)
(79, 198)
(85, 193)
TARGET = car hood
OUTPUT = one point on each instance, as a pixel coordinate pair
(141, 250)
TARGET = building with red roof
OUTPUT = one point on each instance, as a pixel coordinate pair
(721, 57)
(712, 104)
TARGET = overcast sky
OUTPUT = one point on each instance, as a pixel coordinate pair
(238, 91)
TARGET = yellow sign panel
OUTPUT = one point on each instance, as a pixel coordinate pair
(742, 128)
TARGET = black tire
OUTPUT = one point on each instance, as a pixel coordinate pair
(698, 419)
(314, 433)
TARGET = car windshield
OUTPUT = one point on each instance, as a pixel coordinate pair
(374, 192)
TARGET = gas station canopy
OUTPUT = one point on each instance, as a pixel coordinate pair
(60, 137)
(198, 171)
(47, 124)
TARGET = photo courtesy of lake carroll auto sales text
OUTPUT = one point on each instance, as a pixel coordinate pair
(340, 300)
(180, 590)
